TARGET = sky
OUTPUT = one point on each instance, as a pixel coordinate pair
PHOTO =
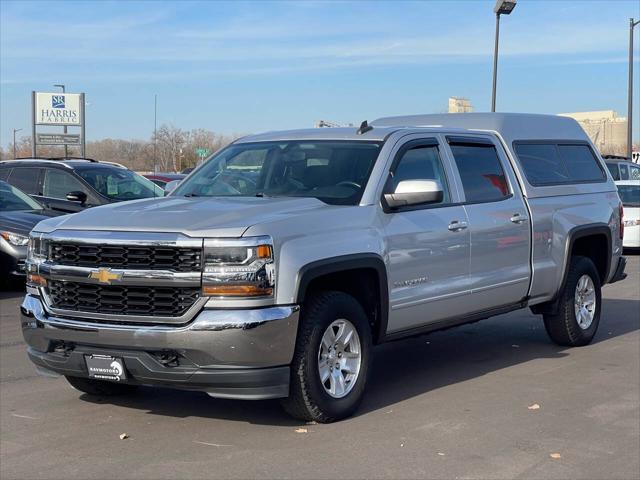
(251, 66)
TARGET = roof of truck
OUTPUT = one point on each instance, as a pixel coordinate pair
(511, 126)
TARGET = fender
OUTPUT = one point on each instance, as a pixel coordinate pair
(581, 231)
(319, 268)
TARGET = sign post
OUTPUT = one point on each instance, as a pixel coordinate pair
(63, 109)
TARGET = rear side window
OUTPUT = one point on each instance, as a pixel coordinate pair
(556, 163)
(542, 164)
(581, 163)
(26, 179)
(613, 169)
(4, 173)
(482, 175)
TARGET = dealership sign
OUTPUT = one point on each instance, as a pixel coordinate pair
(58, 138)
(58, 109)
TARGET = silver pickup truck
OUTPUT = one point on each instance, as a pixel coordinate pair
(277, 265)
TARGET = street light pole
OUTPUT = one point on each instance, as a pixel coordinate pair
(66, 149)
(632, 24)
(495, 64)
(502, 7)
(14, 141)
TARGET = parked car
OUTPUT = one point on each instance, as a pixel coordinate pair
(161, 179)
(19, 213)
(71, 185)
(621, 168)
(629, 191)
(273, 269)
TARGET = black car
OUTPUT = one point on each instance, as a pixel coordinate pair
(71, 185)
(19, 213)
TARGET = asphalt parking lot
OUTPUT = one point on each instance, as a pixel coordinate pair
(454, 404)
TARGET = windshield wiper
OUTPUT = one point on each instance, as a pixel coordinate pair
(191, 194)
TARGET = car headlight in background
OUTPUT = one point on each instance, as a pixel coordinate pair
(238, 268)
(15, 239)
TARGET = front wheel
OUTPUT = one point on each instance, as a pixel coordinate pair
(578, 315)
(331, 360)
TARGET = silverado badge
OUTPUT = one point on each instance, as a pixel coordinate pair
(105, 275)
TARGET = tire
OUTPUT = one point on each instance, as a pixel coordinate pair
(309, 399)
(100, 387)
(565, 328)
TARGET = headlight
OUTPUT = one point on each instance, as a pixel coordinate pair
(38, 249)
(240, 268)
(15, 239)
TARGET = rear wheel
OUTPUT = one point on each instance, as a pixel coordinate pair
(100, 387)
(578, 315)
(331, 361)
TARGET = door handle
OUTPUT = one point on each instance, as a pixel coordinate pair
(517, 218)
(455, 226)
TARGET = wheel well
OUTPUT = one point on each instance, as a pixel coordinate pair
(595, 247)
(361, 283)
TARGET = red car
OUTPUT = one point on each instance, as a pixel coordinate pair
(161, 179)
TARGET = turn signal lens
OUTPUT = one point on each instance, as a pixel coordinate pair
(264, 251)
(236, 291)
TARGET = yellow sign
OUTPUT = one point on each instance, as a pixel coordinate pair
(104, 275)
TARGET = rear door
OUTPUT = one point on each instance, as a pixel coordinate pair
(427, 246)
(499, 226)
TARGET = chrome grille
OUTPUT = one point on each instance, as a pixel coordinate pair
(123, 300)
(179, 259)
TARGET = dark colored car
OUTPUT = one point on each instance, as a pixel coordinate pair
(19, 213)
(188, 170)
(621, 168)
(71, 185)
(161, 179)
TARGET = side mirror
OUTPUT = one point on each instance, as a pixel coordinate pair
(77, 196)
(171, 186)
(414, 192)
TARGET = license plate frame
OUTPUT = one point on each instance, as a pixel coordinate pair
(105, 367)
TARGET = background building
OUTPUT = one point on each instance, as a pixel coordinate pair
(606, 129)
(460, 105)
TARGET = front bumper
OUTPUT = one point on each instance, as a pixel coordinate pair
(226, 353)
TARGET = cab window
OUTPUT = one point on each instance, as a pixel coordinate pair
(57, 184)
(421, 163)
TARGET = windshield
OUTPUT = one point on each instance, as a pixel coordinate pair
(335, 172)
(12, 199)
(119, 183)
(630, 195)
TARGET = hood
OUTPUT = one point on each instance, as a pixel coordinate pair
(21, 222)
(192, 216)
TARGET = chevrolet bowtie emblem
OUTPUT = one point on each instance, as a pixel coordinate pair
(104, 275)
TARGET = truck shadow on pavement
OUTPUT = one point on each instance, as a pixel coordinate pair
(406, 368)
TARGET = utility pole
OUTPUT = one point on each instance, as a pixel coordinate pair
(66, 149)
(14, 141)
(632, 25)
(155, 133)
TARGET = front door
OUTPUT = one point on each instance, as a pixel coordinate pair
(428, 246)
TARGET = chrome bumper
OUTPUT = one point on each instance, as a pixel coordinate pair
(228, 353)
